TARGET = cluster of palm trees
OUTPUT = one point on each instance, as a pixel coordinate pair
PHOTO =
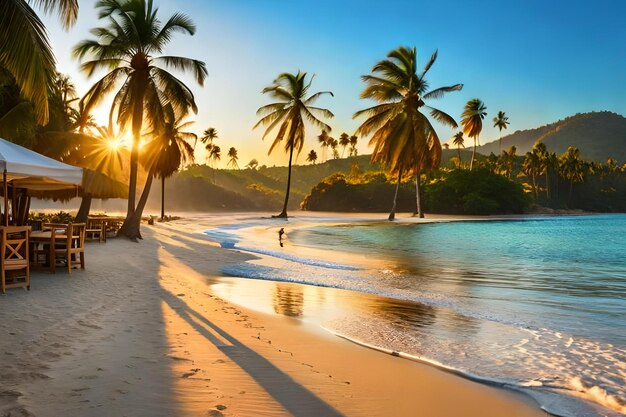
(404, 139)
(326, 141)
(146, 97)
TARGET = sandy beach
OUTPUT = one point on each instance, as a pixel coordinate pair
(142, 333)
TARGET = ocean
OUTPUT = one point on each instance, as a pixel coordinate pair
(537, 305)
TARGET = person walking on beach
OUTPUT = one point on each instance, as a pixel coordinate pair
(281, 233)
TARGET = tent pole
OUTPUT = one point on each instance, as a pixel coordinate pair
(6, 198)
(13, 204)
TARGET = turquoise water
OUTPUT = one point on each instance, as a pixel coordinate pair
(538, 305)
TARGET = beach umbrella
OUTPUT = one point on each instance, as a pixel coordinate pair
(26, 169)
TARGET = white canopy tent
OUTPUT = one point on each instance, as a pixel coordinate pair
(23, 168)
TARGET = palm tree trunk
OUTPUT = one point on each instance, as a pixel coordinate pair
(83, 211)
(473, 155)
(500, 141)
(162, 198)
(418, 197)
(283, 214)
(392, 214)
(133, 231)
(547, 185)
(458, 148)
(134, 159)
(535, 187)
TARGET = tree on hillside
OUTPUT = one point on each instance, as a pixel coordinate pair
(501, 121)
(312, 157)
(126, 48)
(208, 136)
(293, 107)
(403, 137)
(344, 141)
(472, 121)
(354, 140)
(232, 162)
(333, 143)
(25, 50)
(507, 158)
(459, 142)
(531, 167)
(572, 168)
(215, 154)
(252, 164)
(544, 163)
(322, 139)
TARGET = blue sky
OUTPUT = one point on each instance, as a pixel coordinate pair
(538, 61)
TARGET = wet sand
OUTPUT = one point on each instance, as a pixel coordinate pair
(142, 332)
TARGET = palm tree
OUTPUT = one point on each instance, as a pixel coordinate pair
(215, 154)
(232, 154)
(168, 151)
(25, 50)
(312, 157)
(354, 140)
(544, 159)
(459, 141)
(252, 164)
(333, 143)
(126, 48)
(531, 167)
(508, 158)
(403, 137)
(322, 139)
(473, 115)
(572, 168)
(208, 136)
(344, 141)
(501, 121)
(293, 107)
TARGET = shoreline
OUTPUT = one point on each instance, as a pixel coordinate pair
(143, 334)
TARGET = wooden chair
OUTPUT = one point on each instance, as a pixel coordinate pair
(96, 228)
(70, 246)
(14, 257)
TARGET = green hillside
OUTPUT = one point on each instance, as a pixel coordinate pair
(200, 188)
(598, 135)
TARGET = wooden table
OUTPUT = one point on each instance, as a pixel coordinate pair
(43, 237)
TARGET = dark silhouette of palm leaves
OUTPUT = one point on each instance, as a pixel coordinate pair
(25, 50)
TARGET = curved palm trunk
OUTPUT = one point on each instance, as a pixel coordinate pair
(283, 214)
(392, 214)
(162, 198)
(133, 231)
(418, 197)
(128, 227)
(83, 211)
